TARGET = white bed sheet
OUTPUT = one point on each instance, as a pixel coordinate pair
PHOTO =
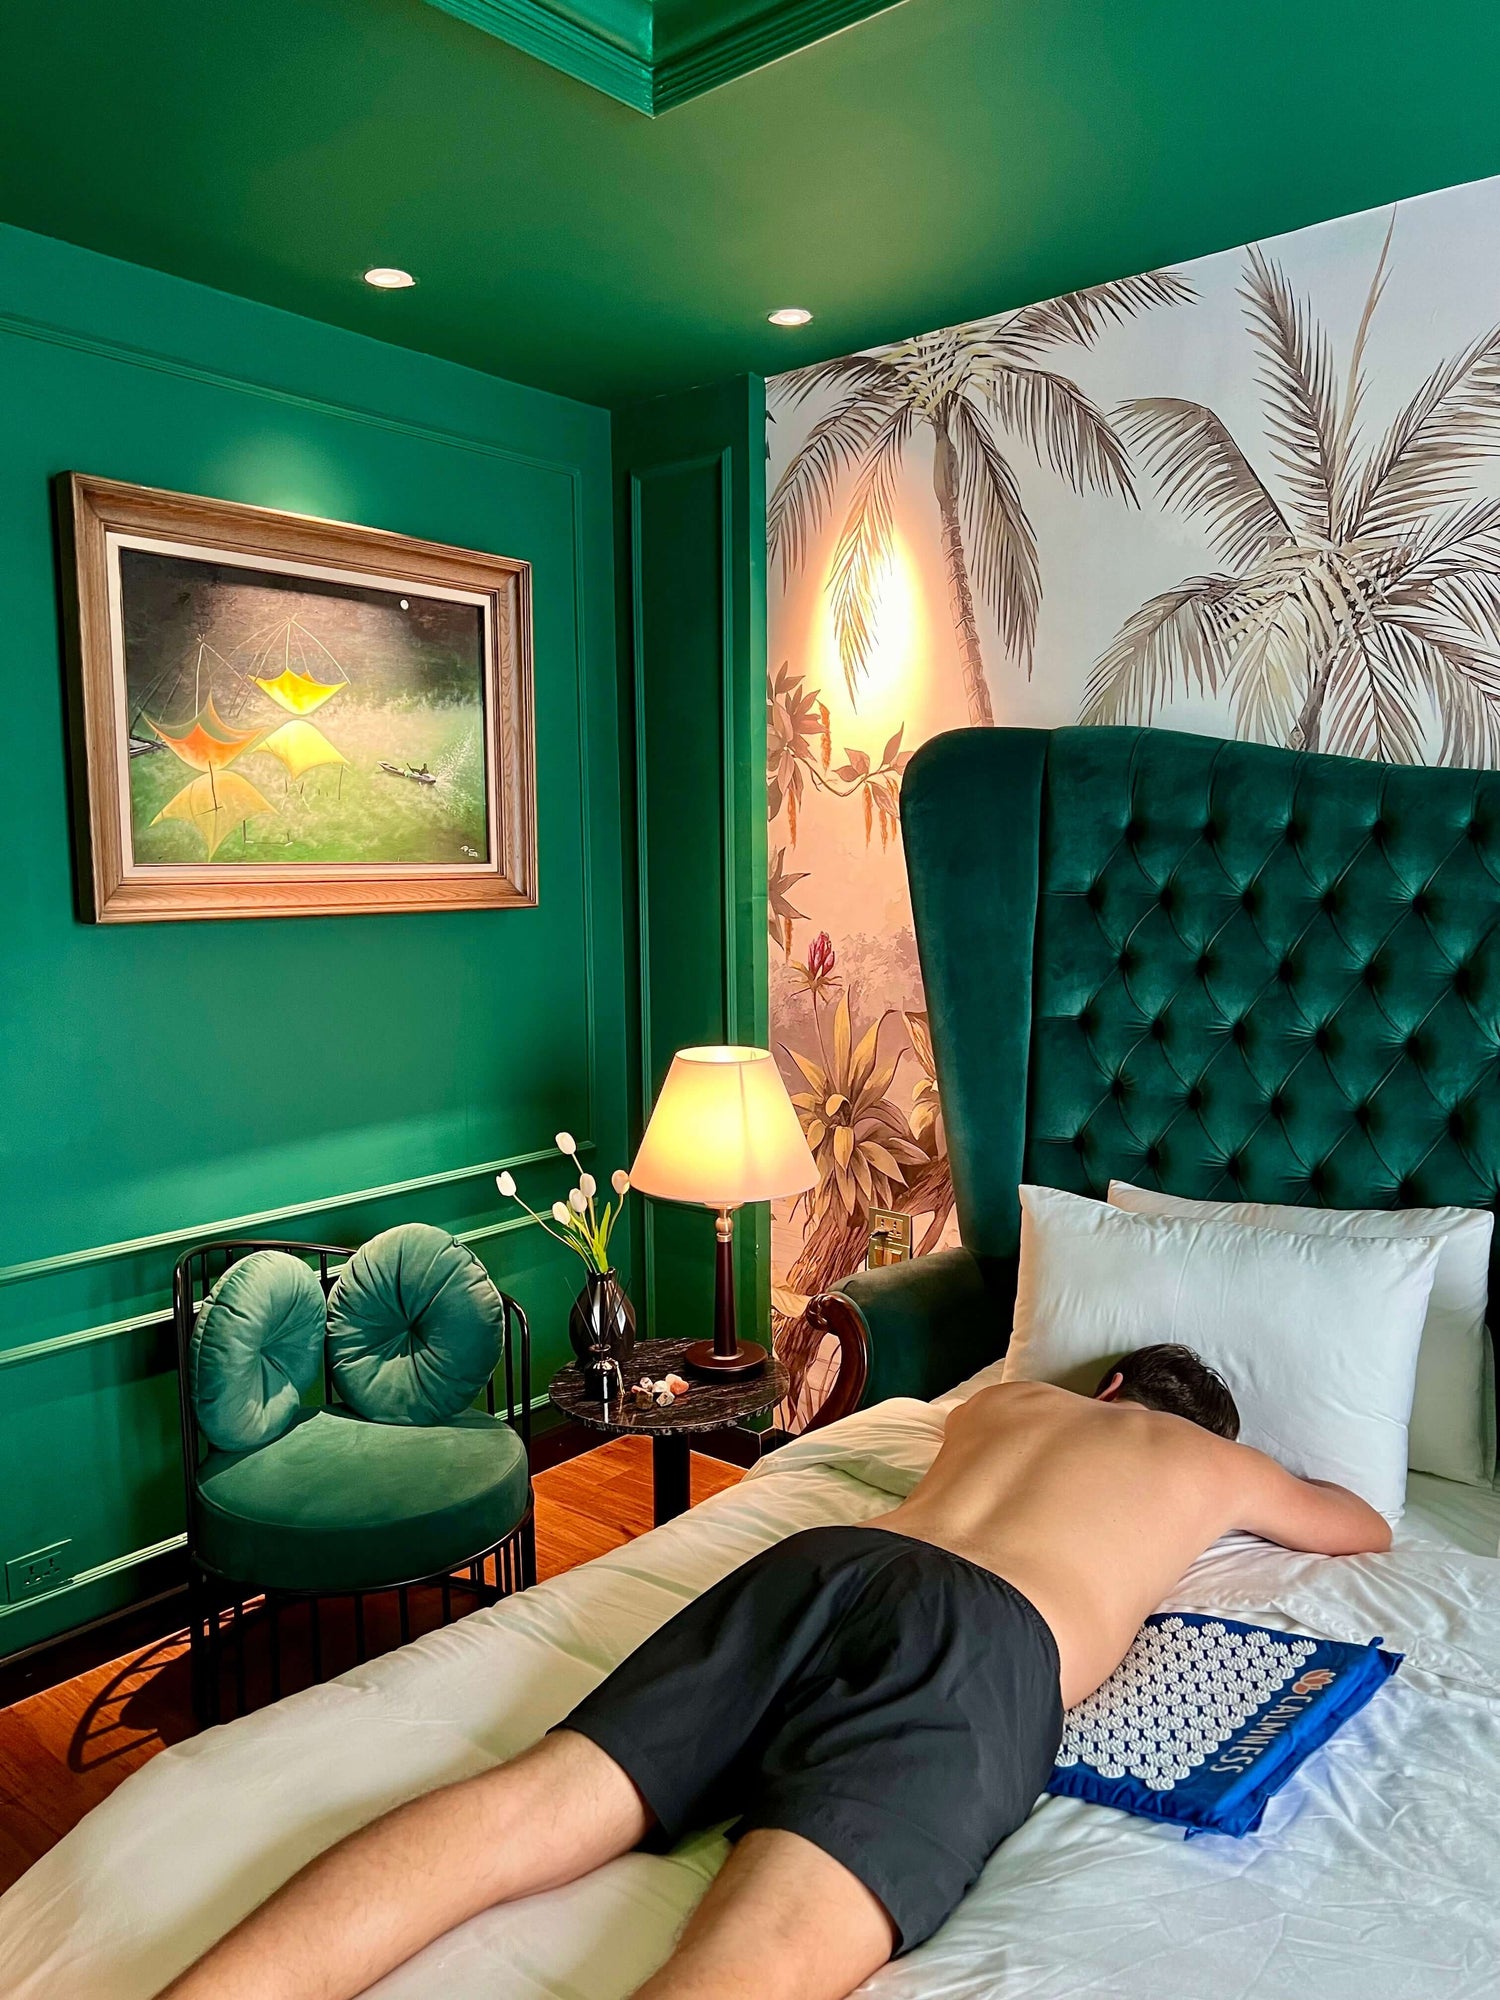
(1373, 1878)
(1451, 1515)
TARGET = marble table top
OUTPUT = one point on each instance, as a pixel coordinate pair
(711, 1404)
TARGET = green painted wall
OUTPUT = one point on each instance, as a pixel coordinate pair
(308, 1077)
(690, 538)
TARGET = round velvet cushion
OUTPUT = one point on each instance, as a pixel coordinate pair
(255, 1350)
(414, 1327)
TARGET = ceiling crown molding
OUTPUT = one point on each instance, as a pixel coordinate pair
(647, 55)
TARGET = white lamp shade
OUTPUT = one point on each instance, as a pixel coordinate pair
(723, 1132)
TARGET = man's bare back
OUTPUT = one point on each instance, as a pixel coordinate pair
(1094, 1508)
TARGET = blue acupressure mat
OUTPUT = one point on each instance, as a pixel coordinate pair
(1204, 1719)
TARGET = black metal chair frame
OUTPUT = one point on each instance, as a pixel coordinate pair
(211, 1594)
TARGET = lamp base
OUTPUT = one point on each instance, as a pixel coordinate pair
(748, 1358)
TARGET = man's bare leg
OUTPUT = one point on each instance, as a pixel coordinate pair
(368, 1904)
(781, 1917)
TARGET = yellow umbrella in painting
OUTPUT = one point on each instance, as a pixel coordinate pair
(301, 747)
(215, 806)
(298, 693)
(208, 743)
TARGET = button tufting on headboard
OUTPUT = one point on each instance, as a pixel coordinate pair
(1236, 970)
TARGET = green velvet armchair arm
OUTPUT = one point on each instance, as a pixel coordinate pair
(926, 1324)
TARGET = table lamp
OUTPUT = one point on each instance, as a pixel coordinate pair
(723, 1133)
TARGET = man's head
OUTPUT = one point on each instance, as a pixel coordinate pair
(1172, 1378)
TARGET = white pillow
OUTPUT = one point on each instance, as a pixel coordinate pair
(1452, 1430)
(1317, 1336)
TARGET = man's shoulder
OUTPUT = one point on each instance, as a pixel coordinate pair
(994, 1394)
(1017, 1402)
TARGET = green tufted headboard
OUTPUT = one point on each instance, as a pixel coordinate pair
(1213, 967)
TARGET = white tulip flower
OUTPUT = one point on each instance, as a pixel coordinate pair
(506, 1183)
(560, 1212)
(589, 1185)
(576, 1200)
(619, 1180)
(566, 1143)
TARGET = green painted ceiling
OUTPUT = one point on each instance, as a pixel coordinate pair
(940, 159)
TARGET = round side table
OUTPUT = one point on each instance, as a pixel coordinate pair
(707, 1406)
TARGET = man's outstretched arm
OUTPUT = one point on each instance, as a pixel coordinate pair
(1312, 1515)
(374, 1900)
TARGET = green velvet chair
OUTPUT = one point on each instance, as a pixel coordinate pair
(395, 1479)
(1222, 969)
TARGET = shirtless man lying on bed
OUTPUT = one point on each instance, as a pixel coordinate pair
(878, 1706)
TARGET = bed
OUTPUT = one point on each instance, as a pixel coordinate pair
(1374, 1872)
(1105, 994)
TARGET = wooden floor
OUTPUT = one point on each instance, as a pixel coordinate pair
(64, 1750)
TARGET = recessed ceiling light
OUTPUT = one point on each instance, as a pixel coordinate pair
(386, 278)
(789, 316)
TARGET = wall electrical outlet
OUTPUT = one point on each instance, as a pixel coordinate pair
(44, 1569)
(890, 1238)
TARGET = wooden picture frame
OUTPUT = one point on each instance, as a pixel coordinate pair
(428, 645)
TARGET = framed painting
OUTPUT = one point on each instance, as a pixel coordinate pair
(274, 715)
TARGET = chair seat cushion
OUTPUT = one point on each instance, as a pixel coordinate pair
(415, 1326)
(342, 1504)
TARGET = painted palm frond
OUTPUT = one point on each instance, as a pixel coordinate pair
(1006, 569)
(1200, 470)
(1059, 424)
(1079, 318)
(1296, 376)
(1174, 640)
(1363, 607)
(837, 443)
(1270, 673)
(1461, 682)
(1373, 704)
(863, 546)
(959, 386)
(853, 373)
(1354, 381)
(1450, 543)
(1423, 460)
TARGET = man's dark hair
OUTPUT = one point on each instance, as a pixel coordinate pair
(1172, 1378)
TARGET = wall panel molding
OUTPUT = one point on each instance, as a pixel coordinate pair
(239, 1225)
(690, 507)
(104, 1572)
(162, 362)
(86, 1336)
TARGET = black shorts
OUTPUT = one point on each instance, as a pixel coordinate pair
(892, 1703)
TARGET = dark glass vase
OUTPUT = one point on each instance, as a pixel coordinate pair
(601, 1327)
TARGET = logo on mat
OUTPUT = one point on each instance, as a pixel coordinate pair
(1314, 1679)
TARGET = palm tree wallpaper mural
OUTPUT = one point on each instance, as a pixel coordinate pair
(1256, 496)
(967, 387)
(1362, 608)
